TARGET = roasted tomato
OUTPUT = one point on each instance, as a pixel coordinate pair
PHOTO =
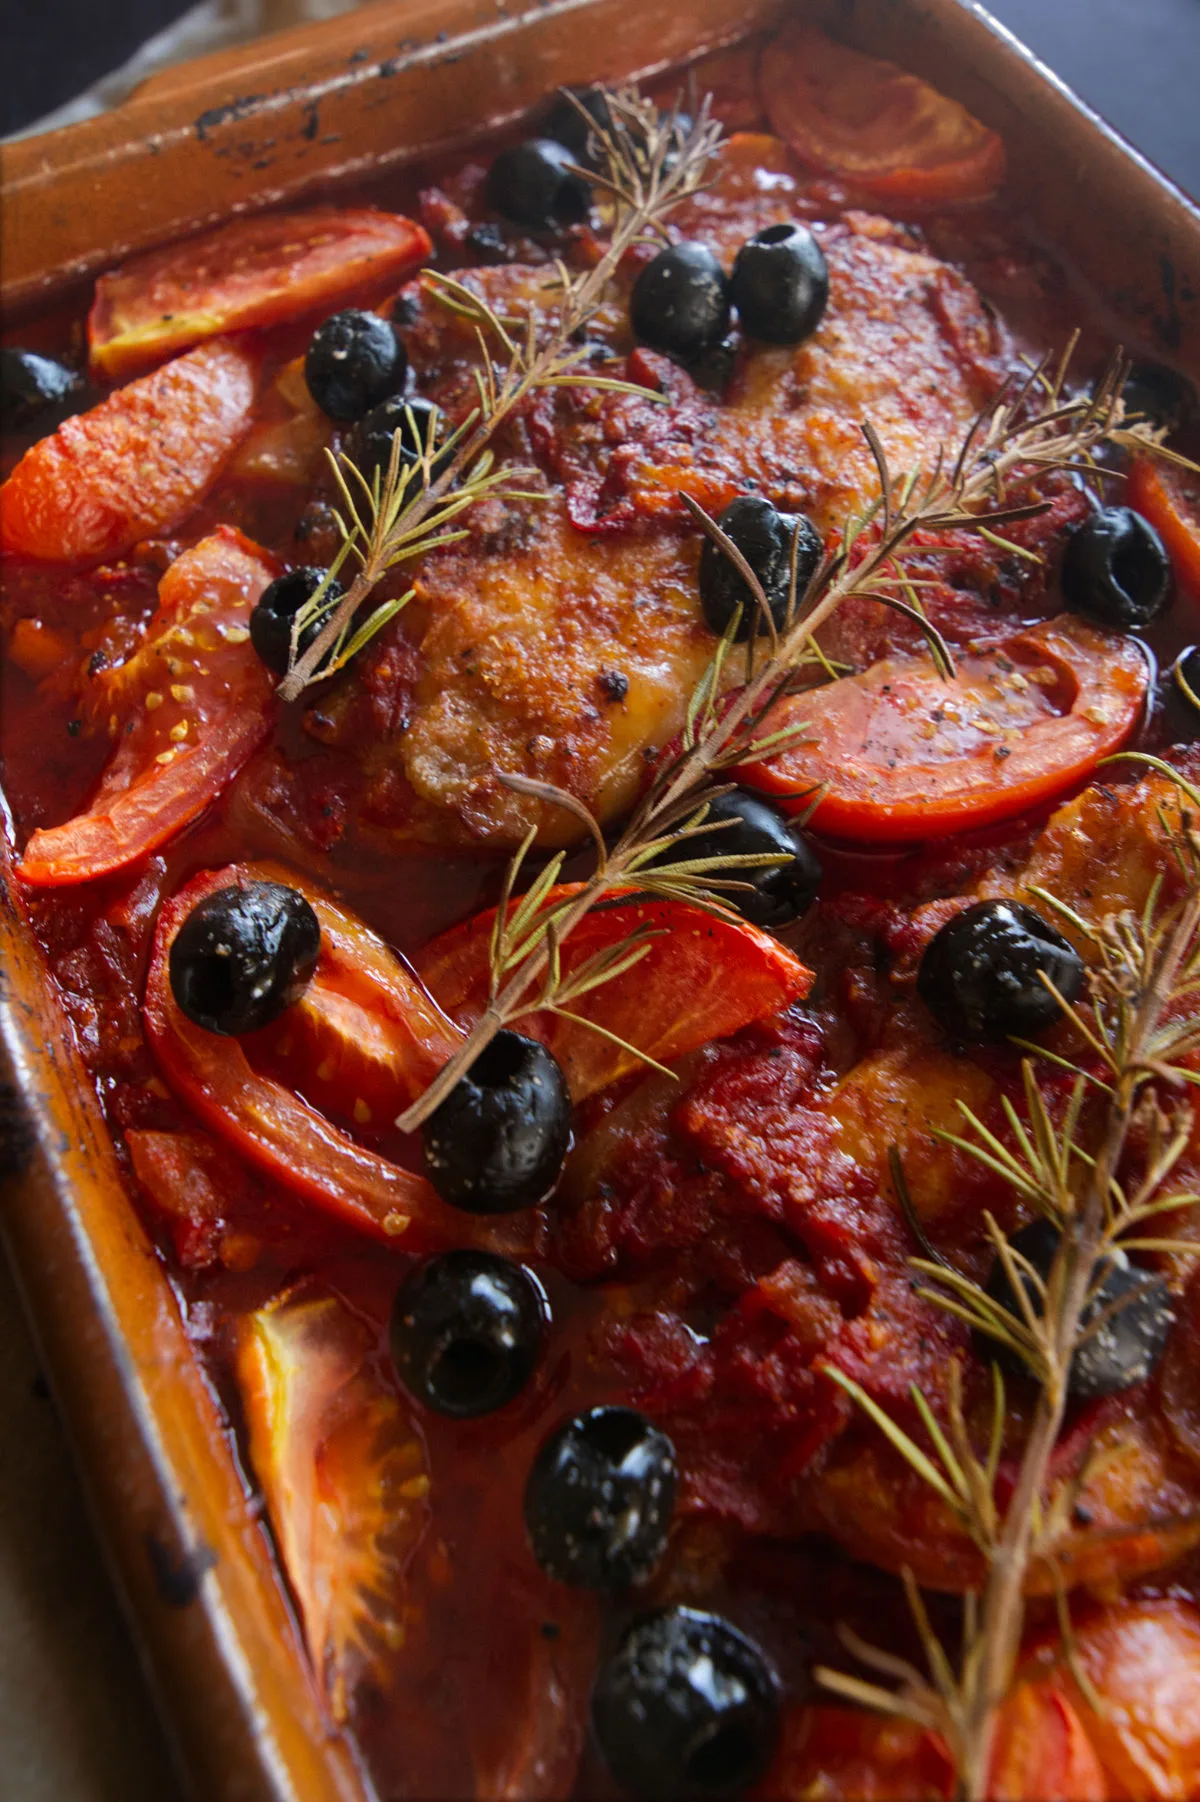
(134, 466)
(360, 988)
(345, 1478)
(186, 711)
(249, 272)
(1041, 1749)
(1169, 497)
(896, 753)
(700, 979)
(831, 1754)
(1143, 1660)
(870, 123)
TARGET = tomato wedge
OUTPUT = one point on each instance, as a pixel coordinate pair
(1143, 1657)
(1169, 497)
(1041, 1749)
(134, 466)
(345, 1478)
(701, 979)
(271, 1126)
(899, 754)
(249, 272)
(874, 125)
(187, 710)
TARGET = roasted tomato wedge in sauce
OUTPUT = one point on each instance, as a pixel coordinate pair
(134, 466)
(870, 123)
(1169, 497)
(250, 272)
(899, 753)
(186, 710)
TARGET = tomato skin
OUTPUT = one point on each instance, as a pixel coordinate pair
(1169, 497)
(830, 1752)
(154, 784)
(251, 272)
(1143, 1658)
(1040, 1748)
(902, 755)
(703, 979)
(872, 124)
(134, 466)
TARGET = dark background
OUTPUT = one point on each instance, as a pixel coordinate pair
(1136, 61)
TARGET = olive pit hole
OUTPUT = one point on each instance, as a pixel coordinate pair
(466, 1369)
(502, 1061)
(775, 234)
(722, 1758)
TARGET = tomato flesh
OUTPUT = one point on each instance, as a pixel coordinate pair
(870, 123)
(702, 978)
(187, 710)
(1042, 1749)
(251, 272)
(134, 466)
(897, 754)
(1169, 497)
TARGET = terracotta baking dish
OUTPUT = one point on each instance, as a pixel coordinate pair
(308, 109)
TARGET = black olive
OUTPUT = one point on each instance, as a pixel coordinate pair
(780, 284)
(566, 125)
(1116, 569)
(276, 608)
(1160, 394)
(369, 444)
(980, 976)
(1123, 1351)
(467, 1331)
(354, 361)
(781, 892)
(686, 1706)
(680, 301)
(244, 955)
(500, 1138)
(535, 185)
(31, 387)
(764, 537)
(599, 1498)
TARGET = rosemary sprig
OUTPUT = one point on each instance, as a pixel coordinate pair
(651, 162)
(1032, 428)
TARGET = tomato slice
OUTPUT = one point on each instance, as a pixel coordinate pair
(829, 1751)
(1169, 497)
(247, 273)
(899, 754)
(701, 979)
(1041, 1749)
(187, 710)
(134, 466)
(1143, 1657)
(272, 1127)
(870, 123)
(345, 1477)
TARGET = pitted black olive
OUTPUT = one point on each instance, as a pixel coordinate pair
(243, 956)
(411, 418)
(680, 301)
(981, 974)
(1116, 570)
(599, 1498)
(354, 361)
(467, 1331)
(274, 612)
(764, 536)
(780, 284)
(33, 388)
(1161, 395)
(780, 892)
(567, 125)
(535, 185)
(687, 1706)
(1132, 1308)
(499, 1140)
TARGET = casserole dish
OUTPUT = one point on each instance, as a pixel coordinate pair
(193, 1556)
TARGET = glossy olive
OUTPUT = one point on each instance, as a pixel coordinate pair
(1123, 1350)
(686, 1706)
(411, 418)
(765, 537)
(244, 955)
(599, 1498)
(680, 301)
(499, 1140)
(1160, 394)
(1116, 570)
(568, 126)
(535, 185)
(467, 1331)
(275, 610)
(981, 974)
(780, 284)
(781, 892)
(354, 361)
(32, 388)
